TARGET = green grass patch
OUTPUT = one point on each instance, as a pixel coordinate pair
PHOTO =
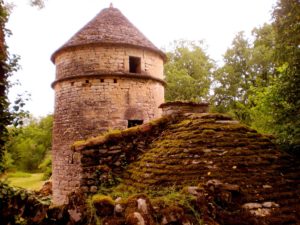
(30, 181)
(18, 174)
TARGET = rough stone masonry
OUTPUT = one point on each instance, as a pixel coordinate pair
(108, 76)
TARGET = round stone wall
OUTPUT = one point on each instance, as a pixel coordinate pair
(94, 92)
(89, 60)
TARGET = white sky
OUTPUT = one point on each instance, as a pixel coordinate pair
(38, 33)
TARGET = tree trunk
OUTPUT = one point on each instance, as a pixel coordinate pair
(4, 117)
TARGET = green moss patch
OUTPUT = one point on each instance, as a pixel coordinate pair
(117, 135)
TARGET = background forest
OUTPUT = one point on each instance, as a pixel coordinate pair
(258, 84)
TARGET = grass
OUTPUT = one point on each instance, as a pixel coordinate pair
(161, 198)
(18, 174)
(29, 181)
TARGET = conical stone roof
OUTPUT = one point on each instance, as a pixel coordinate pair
(110, 26)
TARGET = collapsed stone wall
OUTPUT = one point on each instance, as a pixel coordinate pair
(105, 158)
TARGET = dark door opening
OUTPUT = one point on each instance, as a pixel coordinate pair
(134, 64)
(132, 123)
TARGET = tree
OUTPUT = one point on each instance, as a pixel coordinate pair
(260, 81)
(286, 92)
(38, 3)
(5, 71)
(233, 79)
(7, 66)
(29, 145)
(188, 72)
(3, 98)
(248, 67)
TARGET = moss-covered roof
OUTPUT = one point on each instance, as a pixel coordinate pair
(199, 147)
(199, 150)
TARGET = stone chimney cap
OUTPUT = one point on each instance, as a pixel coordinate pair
(178, 107)
(182, 103)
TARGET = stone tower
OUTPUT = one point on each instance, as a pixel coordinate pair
(108, 76)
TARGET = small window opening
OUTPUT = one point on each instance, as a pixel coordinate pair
(132, 123)
(72, 83)
(134, 64)
(102, 80)
(87, 81)
(115, 81)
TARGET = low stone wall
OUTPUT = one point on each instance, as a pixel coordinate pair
(18, 206)
(104, 158)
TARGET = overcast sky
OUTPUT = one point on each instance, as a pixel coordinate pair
(38, 33)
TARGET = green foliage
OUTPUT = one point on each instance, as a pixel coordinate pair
(47, 173)
(102, 198)
(8, 162)
(122, 190)
(170, 197)
(261, 113)
(259, 82)
(29, 145)
(5, 71)
(286, 91)
(92, 218)
(20, 206)
(46, 166)
(8, 65)
(277, 107)
(46, 163)
(248, 67)
(188, 72)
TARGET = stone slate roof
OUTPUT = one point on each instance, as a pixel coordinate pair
(203, 148)
(247, 172)
(110, 26)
